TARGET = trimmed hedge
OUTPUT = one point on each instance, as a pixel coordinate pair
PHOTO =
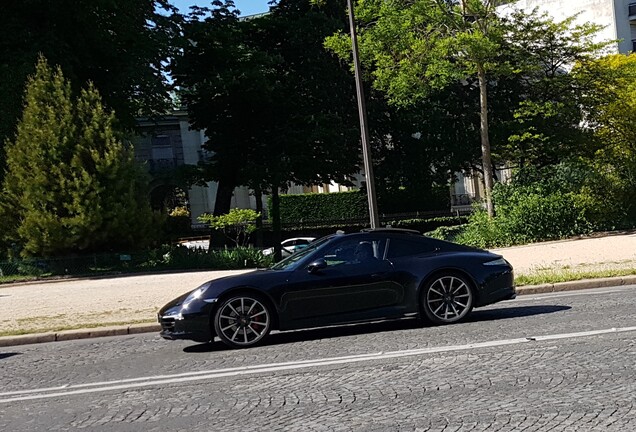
(353, 205)
(430, 224)
(320, 230)
(315, 207)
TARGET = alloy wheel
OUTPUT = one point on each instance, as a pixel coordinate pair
(448, 299)
(242, 321)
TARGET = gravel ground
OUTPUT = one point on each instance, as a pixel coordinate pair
(129, 299)
(610, 251)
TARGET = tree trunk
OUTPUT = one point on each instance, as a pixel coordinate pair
(486, 159)
(276, 228)
(223, 200)
(258, 195)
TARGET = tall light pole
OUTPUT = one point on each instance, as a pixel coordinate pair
(364, 128)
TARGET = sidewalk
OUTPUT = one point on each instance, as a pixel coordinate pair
(121, 302)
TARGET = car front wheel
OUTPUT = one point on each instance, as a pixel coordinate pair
(242, 321)
(447, 299)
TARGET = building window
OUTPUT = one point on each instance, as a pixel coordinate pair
(159, 153)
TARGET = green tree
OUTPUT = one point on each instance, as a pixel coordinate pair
(611, 103)
(122, 46)
(71, 184)
(276, 107)
(415, 47)
(610, 111)
(540, 103)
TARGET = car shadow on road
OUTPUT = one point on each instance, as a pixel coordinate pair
(7, 355)
(380, 327)
(514, 312)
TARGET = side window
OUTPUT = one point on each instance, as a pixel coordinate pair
(355, 251)
(399, 247)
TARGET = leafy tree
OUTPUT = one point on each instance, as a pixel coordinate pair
(71, 184)
(544, 98)
(610, 111)
(237, 225)
(120, 45)
(517, 66)
(415, 47)
(611, 101)
(415, 148)
(263, 89)
(276, 107)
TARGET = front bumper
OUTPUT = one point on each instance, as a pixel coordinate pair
(192, 326)
(497, 288)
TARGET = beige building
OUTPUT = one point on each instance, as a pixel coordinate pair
(618, 17)
(169, 143)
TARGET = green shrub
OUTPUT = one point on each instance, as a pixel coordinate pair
(237, 225)
(180, 257)
(545, 204)
(484, 232)
(448, 233)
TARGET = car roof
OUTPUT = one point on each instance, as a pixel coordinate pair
(390, 230)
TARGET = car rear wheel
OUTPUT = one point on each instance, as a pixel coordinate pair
(447, 298)
(243, 320)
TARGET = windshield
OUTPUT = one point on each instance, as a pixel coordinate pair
(290, 262)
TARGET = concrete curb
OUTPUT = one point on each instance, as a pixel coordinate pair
(67, 335)
(131, 329)
(577, 285)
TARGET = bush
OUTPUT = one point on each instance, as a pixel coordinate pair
(180, 257)
(448, 233)
(237, 225)
(551, 203)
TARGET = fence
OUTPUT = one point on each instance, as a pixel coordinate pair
(72, 265)
(167, 257)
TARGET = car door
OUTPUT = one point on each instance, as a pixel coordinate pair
(345, 290)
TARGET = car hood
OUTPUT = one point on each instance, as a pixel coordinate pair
(259, 279)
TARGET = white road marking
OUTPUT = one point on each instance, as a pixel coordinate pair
(126, 384)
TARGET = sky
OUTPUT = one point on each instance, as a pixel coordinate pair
(247, 7)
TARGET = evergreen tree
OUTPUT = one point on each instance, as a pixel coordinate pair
(71, 184)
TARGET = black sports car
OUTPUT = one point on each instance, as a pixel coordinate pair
(343, 278)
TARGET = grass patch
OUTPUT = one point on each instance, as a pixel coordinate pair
(545, 276)
(59, 328)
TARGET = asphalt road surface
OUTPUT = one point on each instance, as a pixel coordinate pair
(549, 362)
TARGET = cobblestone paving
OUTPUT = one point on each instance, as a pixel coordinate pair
(576, 384)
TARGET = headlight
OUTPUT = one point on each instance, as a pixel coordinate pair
(196, 294)
(497, 262)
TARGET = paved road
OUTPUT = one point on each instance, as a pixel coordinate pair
(495, 372)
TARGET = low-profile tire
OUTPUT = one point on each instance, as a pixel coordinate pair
(243, 320)
(447, 298)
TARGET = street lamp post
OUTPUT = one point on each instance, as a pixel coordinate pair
(364, 128)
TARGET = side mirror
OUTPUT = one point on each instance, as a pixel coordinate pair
(317, 265)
